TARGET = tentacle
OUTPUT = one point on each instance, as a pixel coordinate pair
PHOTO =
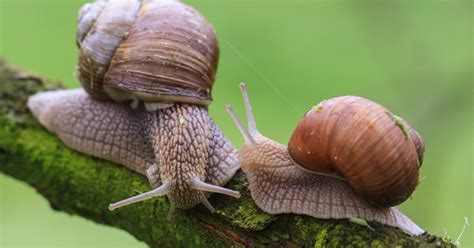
(249, 140)
(164, 189)
(250, 134)
(206, 203)
(248, 109)
(170, 212)
(196, 183)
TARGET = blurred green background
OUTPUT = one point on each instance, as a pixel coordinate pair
(415, 57)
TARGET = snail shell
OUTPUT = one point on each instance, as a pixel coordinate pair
(156, 51)
(378, 153)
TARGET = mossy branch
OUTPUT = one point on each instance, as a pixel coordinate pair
(78, 184)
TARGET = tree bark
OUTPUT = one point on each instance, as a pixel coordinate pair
(79, 184)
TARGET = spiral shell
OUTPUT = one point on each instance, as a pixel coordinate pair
(378, 153)
(157, 51)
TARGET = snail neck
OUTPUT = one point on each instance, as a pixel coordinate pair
(269, 153)
(191, 157)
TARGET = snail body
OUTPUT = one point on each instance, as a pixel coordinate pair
(279, 185)
(147, 71)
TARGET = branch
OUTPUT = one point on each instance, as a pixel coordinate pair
(78, 184)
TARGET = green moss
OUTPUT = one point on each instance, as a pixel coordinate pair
(321, 239)
(275, 237)
(376, 244)
(245, 214)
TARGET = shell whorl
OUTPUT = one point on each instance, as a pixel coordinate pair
(156, 51)
(102, 26)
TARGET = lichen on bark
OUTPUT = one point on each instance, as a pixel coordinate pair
(79, 184)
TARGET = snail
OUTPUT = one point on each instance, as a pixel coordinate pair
(147, 71)
(312, 176)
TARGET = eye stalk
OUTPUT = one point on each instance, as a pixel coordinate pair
(251, 133)
(164, 189)
(248, 109)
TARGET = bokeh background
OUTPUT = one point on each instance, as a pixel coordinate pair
(415, 57)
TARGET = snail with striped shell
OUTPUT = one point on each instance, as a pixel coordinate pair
(347, 158)
(161, 53)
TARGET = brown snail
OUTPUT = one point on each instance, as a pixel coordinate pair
(279, 185)
(162, 53)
